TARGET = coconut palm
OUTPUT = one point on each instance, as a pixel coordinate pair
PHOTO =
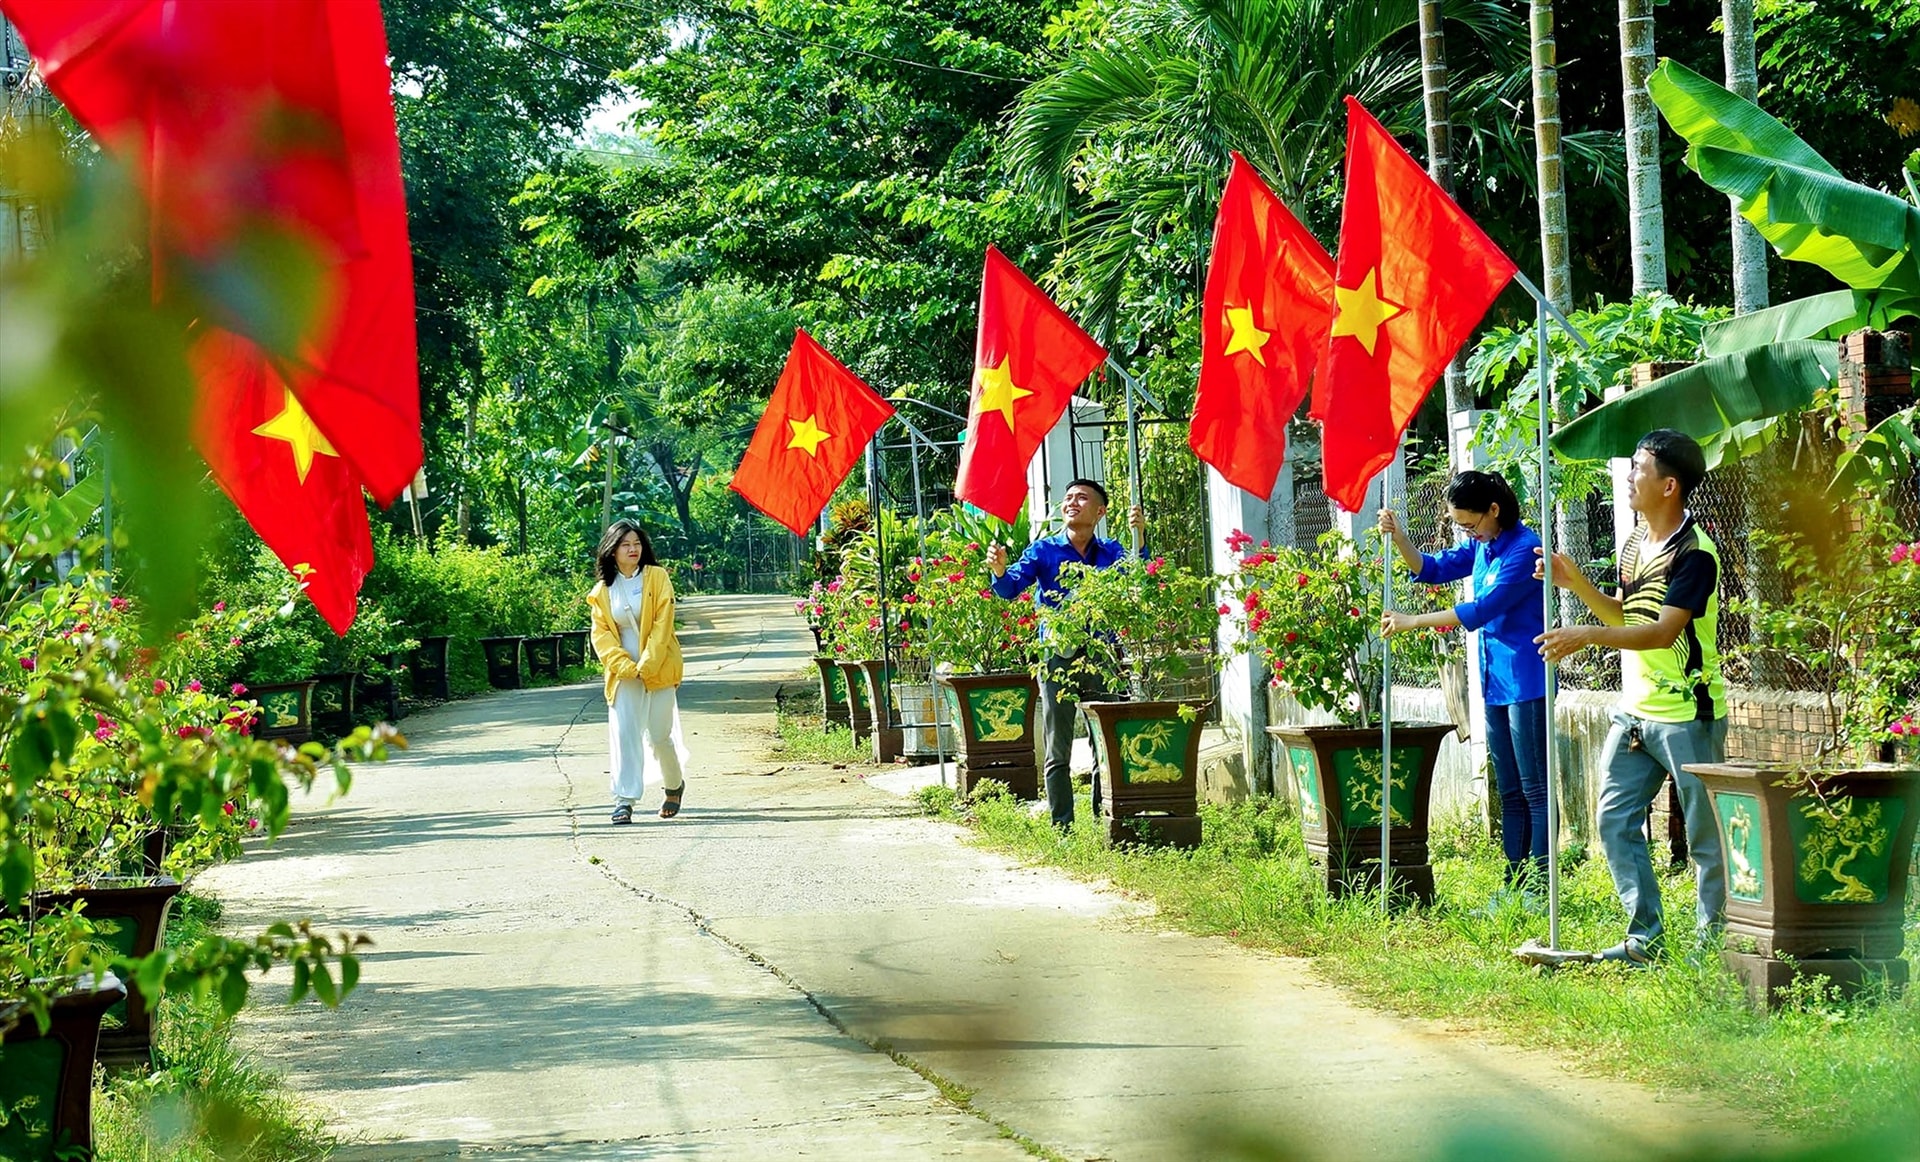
(1743, 80)
(1556, 257)
(1134, 131)
(1646, 225)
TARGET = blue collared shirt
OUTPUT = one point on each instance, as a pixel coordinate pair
(1042, 560)
(1506, 611)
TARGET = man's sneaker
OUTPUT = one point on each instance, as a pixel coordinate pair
(1629, 952)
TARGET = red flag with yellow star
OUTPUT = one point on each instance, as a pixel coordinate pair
(1413, 279)
(819, 418)
(282, 472)
(1028, 357)
(247, 118)
(1263, 328)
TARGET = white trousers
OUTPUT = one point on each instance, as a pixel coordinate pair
(644, 739)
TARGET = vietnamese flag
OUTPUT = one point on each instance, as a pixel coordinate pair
(1028, 357)
(1413, 279)
(284, 475)
(1263, 327)
(819, 418)
(238, 117)
(265, 114)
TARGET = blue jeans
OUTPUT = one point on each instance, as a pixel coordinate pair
(1630, 776)
(1517, 743)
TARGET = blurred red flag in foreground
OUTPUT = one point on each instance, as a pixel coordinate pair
(818, 419)
(274, 118)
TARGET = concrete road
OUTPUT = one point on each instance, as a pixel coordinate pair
(789, 968)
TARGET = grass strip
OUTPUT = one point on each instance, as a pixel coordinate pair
(1819, 1067)
(204, 1100)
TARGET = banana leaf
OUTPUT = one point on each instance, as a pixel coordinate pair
(1814, 317)
(1889, 451)
(1794, 197)
(1719, 402)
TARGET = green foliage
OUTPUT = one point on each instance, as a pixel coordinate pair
(1314, 616)
(1651, 328)
(1141, 626)
(1848, 621)
(469, 593)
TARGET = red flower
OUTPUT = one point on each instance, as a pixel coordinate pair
(1303, 579)
(194, 686)
(1353, 611)
(117, 602)
(909, 599)
(1292, 636)
(1224, 609)
(28, 664)
(239, 690)
(956, 578)
(219, 607)
(159, 686)
(1154, 566)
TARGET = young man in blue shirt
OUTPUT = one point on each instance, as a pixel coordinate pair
(1083, 507)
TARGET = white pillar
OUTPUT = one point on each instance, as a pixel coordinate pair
(1052, 466)
(1243, 678)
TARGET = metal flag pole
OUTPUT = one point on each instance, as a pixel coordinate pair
(1135, 395)
(1386, 721)
(1545, 379)
(1545, 310)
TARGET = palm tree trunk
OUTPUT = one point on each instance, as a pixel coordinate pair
(1749, 249)
(1433, 87)
(1647, 227)
(1555, 257)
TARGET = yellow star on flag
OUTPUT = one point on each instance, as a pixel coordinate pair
(807, 435)
(293, 426)
(998, 391)
(1246, 337)
(1362, 310)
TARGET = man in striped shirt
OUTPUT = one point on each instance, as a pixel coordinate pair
(1673, 700)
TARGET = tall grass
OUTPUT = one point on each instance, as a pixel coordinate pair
(1819, 1066)
(205, 1101)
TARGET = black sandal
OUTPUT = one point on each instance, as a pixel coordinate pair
(671, 805)
(623, 813)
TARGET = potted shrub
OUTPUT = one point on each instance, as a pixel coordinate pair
(1150, 628)
(1314, 617)
(543, 656)
(827, 651)
(429, 668)
(978, 646)
(503, 660)
(1818, 848)
(572, 644)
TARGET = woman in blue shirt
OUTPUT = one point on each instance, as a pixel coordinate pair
(1507, 614)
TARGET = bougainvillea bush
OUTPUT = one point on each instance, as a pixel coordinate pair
(1314, 616)
(1145, 627)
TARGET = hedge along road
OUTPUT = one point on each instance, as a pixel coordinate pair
(787, 968)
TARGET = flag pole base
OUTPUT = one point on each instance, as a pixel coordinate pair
(1540, 955)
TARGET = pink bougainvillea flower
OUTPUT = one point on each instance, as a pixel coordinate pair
(194, 686)
(1302, 580)
(159, 685)
(117, 602)
(909, 598)
(1292, 636)
(253, 823)
(239, 690)
(1224, 609)
(28, 664)
(235, 643)
(227, 808)
(219, 607)
(1154, 566)
(1353, 611)
(956, 578)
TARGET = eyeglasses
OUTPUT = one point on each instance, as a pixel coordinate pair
(1473, 528)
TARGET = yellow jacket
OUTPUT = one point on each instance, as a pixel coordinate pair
(659, 665)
